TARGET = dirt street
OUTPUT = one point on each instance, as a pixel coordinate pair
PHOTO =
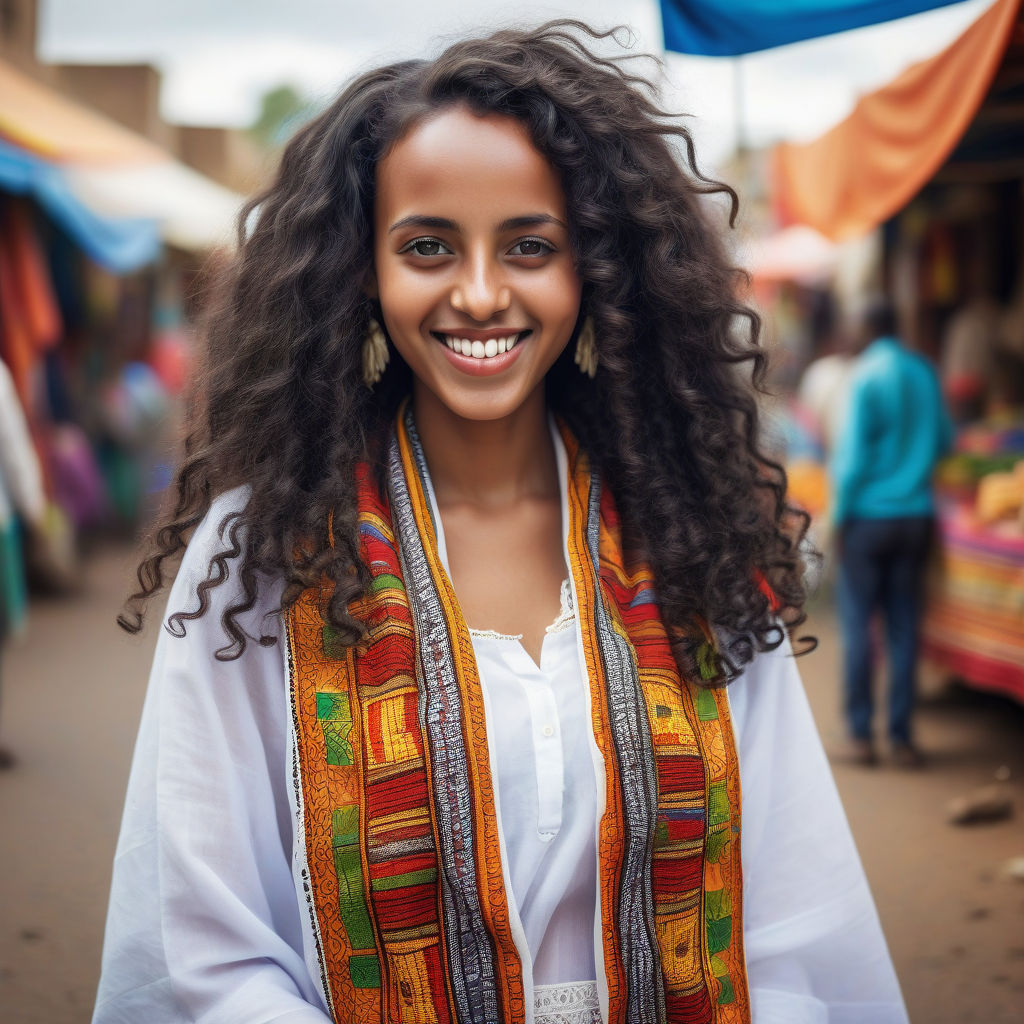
(73, 689)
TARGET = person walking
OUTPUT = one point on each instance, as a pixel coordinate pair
(896, 429)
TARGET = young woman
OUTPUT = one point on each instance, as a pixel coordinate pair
(475, 530)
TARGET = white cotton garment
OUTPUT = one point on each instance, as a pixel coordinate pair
(205, 924)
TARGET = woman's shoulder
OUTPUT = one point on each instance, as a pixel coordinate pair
(215, 555)
(771, 714)
(768, 685)
(218, 537)
(213, 531)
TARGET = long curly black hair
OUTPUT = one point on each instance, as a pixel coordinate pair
(671, 418)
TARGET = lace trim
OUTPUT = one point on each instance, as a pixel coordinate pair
(566, 617)
(493, 634)
(573, 1002)
(567, 614)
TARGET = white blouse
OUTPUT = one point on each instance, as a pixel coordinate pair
(204, 921)
(546, 795)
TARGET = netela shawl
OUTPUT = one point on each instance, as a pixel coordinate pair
(398, 852)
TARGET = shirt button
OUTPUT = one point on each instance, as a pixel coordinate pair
(548, 730)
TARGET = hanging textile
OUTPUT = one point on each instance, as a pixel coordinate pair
(871, 164)
(728, 28)
(30, 322)
(32, 276)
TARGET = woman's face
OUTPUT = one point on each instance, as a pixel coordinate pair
(473, 267)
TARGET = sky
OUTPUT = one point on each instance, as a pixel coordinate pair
(219, 57)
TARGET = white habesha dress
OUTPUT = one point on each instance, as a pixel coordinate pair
(204, 922)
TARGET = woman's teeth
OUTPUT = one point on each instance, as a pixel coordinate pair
(481, 349)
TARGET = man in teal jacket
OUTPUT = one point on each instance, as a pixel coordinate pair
(896, 430)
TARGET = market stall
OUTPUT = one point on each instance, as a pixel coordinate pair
(101, 234)
(974, 625)
(935, 162)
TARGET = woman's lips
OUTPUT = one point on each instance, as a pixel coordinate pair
(482, 353)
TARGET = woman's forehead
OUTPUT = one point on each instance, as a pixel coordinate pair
(464, 167)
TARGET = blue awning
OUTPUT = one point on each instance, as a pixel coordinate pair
(120, 245)
(729, 28)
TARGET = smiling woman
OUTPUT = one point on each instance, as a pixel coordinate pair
(473, 491)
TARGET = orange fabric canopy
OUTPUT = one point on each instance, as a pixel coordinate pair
(39, 119)
(871, 164)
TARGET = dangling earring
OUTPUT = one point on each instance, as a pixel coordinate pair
(375, 354)
(586, 349)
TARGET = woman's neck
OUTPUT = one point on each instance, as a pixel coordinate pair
(487, 463)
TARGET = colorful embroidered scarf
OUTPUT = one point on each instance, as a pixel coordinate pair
(398, 843)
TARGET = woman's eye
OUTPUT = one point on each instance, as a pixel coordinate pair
(427, 247)
(531, 247)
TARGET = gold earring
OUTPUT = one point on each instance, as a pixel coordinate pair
(586, 349)
(375, 354)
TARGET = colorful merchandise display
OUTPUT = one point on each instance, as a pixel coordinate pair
(974, 627)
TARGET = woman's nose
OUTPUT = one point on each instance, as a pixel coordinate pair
(480, 292)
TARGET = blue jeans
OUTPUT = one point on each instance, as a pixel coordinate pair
(881, 568)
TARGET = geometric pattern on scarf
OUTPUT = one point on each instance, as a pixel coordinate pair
(398, 846)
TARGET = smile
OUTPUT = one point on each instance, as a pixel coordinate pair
(478, 349)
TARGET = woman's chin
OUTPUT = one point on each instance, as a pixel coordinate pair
(482, 399)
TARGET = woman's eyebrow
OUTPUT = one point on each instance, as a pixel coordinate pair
(419, 221)
(530, 220)
(444, 224)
